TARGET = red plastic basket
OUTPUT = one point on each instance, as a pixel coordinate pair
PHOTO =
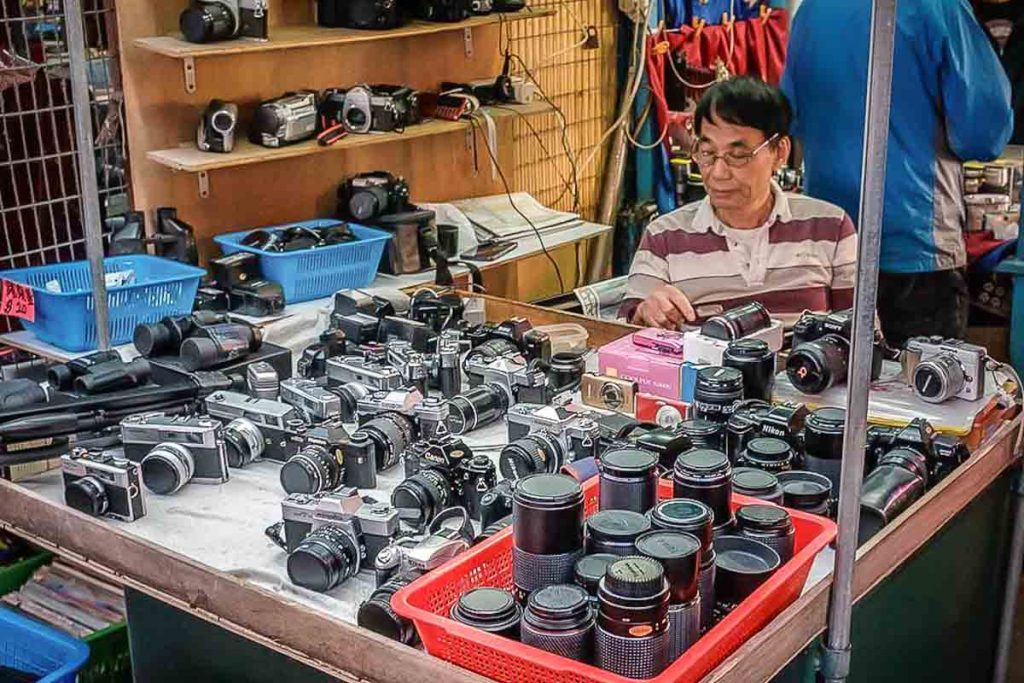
(427, 601)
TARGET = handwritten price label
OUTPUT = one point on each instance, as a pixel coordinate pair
(17, 300)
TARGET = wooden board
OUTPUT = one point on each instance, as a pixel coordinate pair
(293, 37)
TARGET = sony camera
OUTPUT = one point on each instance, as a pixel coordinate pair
(941, 369)
(279, 423)
(368, 196)
(380, 108)
(207, 21)
(175, 450)
(285, 120)
(543, 438)
(363, 14)
(821, 351)
(101, 485)
(217, 127)
(506, 381)
(440, 472)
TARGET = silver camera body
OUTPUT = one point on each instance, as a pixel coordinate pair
(946, 368)
(115, 482)
(345, 369)
(310, 397)
(520, 380)
(578, 433)
(373, 526)
(203, 437)
(262, 380)
(278, 422)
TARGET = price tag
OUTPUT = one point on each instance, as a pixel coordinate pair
(17, 300)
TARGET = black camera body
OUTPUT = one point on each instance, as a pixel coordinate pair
(285, 120)
(363, 14)
(207, 21)
(753, 418)
(102, 485)
(820, 356)
(379, 108)
(942, 452)
(368, 196)
(497, 503)
(442, 10)
(469, 477)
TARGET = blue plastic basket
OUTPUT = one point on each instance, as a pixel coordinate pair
(66, 319)
(314, 273)
(31, 646)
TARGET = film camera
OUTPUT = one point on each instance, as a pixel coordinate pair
(543, 438)
(280, 424)
(821, 351)
(440, 472)
(101, 485)
(942, 453)
(207, 21)
(238, 286)
(379, 108)
(507, 381)
(946, 368)
(368, 196)
(285, 120)
(363, 14)
(753, 418)
(174, 451)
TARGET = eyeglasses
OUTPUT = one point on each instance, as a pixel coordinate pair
(706, 158)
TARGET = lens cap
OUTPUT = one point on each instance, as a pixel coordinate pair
(702, 462)
(680, 554)
(558, 607)
(590, 569)
(298, 476)
(769, 451)
(489, 609)
(763, 517)
(627, 462)
(634, 577)
(741, 555)
(547, 490)
(617, 525)
(748, 348)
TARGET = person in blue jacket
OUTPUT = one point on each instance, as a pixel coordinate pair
(950, 103)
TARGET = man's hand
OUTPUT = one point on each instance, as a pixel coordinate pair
(665, 307)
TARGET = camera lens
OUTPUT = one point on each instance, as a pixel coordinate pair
(589, 571)
(559, 619)
(629, 480)
(350, 395)
(311, 470)
(87, 495)
(805, 491)
(547, 530)
(939, 378)
(391, 434)
(769, 524)
(893, 486)
(695, 518)
(737, 322)
(368, 202)
(704, 474)
(477, 407)
(377, 615)
(615, 531)
(716, 392)
(566, 370)
(749, 481)
(206, 22)
(679, 555)
(419, 498)
(743, 425)
(632, 621)
(533, 454)
(741, 566)
(324, 559)
(243, 442)
(756, 361)
(167, 468)
(823, 444)
(814, 366)
(703, 433)
(489, 609)
(768, 454)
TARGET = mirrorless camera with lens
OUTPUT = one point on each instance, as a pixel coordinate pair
(946, 368)
(206, 21)
(102, 485)
(285, 120)
(821, 351)
(174, 451)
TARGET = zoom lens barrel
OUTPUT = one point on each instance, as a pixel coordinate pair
(377, 614)
(629, 480)
(716, 392)
(535, 453)
(632, 622)
(419, 498)
(476, 408)
(893, 486)
(814, 366)
(207, 22)
(312, 470)
(737, 322)
(769, 524)
(243, 442)
(679, 554)
(704, 474)
(939, 378)
(391, 434)
(756, 361)
(560, 620)
(695, 518)
(615, 531)
(547, 531)
(823, 444)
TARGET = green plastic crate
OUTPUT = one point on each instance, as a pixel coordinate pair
(109, 658)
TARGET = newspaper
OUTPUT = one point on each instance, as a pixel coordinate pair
(509, 217)
(602, 299)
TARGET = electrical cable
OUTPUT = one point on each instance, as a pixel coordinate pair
(566, 182)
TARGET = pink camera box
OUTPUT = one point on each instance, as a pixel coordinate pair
(651, 358)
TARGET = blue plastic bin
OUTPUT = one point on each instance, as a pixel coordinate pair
(31, 646)
(66, 319)
(314, 273)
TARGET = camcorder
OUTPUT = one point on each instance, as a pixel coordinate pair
(285, 120)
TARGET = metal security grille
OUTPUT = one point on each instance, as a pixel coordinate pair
(40, 201)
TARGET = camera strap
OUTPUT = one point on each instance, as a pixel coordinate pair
(331, 135)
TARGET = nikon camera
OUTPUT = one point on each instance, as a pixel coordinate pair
(102, 486)
(207, 21)
(946, 368)
(380, 108)
(174, 451)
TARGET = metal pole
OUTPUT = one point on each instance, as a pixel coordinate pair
(836, 660)
(1013, 569)
(89, 191)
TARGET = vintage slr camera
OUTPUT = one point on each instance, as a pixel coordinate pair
(753, 418)
(942, 453)
(315, 401)
(285, 120)
(946, 368)
(217, 127)
(279, 422)
(371, 374)
(440, 472)
(364, 14)
(102, 486)
(543, 438)
(821, 351)
(206, 21)
(380, 108)
(507, 381)
(368, 196)
(174, 451)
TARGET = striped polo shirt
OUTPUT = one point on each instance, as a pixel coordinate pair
(802, 258)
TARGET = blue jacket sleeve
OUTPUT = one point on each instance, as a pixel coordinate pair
(975, 90)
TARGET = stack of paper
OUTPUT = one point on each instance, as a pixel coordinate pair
(510, 217)
(69, 600)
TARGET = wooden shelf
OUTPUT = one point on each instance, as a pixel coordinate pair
(192, 160)
(294, 37)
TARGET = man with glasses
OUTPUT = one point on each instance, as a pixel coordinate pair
(747, 240)
(950, 104)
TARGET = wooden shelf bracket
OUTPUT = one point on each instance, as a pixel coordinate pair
(188, 66)
(467, 41)
(203, 178)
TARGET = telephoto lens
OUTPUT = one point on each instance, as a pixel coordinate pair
(741, 566)
(679, 554)
(823, 445)
(756, 361)
(737, 322)
(361, 461)
(768, 454)
(814, 366)
(419, 498)
(696, 518)
(243, 442)
(167, 468)
(899, 479)
(769, 524)
(324, 559)
(749, 481)
(560, 620)
(312, 470)
(391, 434)
(536, 453)
(565, 371)
(705, 474)
(716, 392)
(547, 531)
(377, 615)
(489, 609)
(589, 571)
(629, 480)
(632, 618)
(478, 407)
(615, 531)
(704, 433)
(806, 491)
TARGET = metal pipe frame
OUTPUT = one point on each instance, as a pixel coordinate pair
(836, 660)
